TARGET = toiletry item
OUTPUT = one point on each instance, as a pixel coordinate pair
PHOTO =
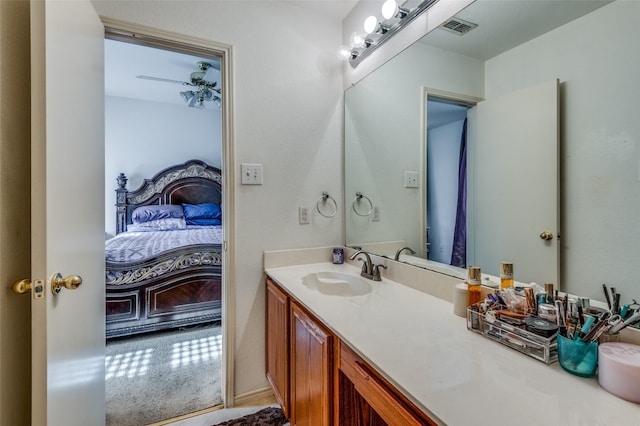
(586, 326)
(338, 255)
(547, 312)
(607, 338)
(548, 289)
(460, 300)
(560, 318)
(506, 275)
(531, 301)
(606, 295)
(540, 326)
(474, 285)
(619, 370)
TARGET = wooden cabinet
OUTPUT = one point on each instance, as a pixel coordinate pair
(298, 360)
(311, 370)
(318, 380)
(277, 343)
(366, 398)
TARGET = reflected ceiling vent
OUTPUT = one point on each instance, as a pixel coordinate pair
(458, 26)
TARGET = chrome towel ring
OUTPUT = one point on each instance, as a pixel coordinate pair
(323, 200)
(357, 200)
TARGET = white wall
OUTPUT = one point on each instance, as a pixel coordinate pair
(288, 117)
(596, 59)
(142, 138)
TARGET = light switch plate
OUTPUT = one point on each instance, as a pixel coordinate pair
(251, 174)
(410, 179)
(303, 215)
(375, 216)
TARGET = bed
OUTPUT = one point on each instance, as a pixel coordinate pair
(164, 265)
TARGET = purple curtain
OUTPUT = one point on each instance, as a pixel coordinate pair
(459, 253)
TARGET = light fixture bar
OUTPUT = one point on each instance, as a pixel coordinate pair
(359, 53)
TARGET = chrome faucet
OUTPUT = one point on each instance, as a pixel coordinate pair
(369, 270)
(397, 257)
(367, 266)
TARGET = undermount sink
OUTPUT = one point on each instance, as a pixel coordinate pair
(337, 284)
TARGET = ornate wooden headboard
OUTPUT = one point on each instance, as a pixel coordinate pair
(193, 182)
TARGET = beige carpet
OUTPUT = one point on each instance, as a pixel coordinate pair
(161, 376)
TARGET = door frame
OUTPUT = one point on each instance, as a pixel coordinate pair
(427, 93)
(140, 34)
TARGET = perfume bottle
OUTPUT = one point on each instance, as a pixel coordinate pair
(506, 275)
(474, 285)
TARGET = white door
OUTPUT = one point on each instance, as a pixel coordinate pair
(67, 192)
(516, 155)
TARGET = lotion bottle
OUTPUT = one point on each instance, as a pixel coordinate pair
(474, 285)
(506, 275)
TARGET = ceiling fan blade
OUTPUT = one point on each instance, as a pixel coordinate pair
(166, 80)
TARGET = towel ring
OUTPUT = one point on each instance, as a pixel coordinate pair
(357, 199)
(323, 200)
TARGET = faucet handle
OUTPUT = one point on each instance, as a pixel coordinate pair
(376, 272)
(364, 265)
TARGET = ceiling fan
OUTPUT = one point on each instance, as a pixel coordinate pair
(202, 91)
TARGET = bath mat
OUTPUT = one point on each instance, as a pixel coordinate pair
(270, 416)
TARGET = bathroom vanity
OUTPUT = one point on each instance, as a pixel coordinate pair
(345, 350)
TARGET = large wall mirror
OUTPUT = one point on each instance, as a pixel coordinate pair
(588, 48)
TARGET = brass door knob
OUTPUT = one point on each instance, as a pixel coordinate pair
(71, 282)
(21, 287)
(546, 235)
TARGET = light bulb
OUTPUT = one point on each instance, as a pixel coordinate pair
(345, 52)
(370, 24)
(389, 9)
(356, 40)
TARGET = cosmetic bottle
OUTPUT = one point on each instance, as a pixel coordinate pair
(506, 275)
(548, 289)
(474, 285)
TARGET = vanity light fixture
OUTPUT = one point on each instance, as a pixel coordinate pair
(390, 9)
(395, 18)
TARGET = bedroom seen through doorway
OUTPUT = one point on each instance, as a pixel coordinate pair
(164, 230)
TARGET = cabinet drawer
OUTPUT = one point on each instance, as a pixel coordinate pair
(385, 400)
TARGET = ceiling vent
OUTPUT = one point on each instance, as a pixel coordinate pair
(458, 26)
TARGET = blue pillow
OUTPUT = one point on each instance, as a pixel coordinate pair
(204, 222)
(202, 211)
(146, 213)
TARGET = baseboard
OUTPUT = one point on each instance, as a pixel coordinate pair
(256, 397)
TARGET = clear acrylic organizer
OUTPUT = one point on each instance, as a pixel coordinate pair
(541, 348)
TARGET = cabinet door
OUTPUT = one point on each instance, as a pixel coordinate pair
(277, 343)
(311, 370)
(366, 398)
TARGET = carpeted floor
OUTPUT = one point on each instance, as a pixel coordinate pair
(164, 375)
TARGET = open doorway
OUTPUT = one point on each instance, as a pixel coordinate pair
(446, 181)
(164, 230)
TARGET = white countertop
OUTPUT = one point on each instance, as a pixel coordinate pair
(456, 376)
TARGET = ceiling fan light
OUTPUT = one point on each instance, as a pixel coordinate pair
(200, 103)
(187, 95)
(217, 101)
(207, 94)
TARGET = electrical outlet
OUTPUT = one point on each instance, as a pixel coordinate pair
(375, 215)
(303, 215)
(251, 174)
(410, 179)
